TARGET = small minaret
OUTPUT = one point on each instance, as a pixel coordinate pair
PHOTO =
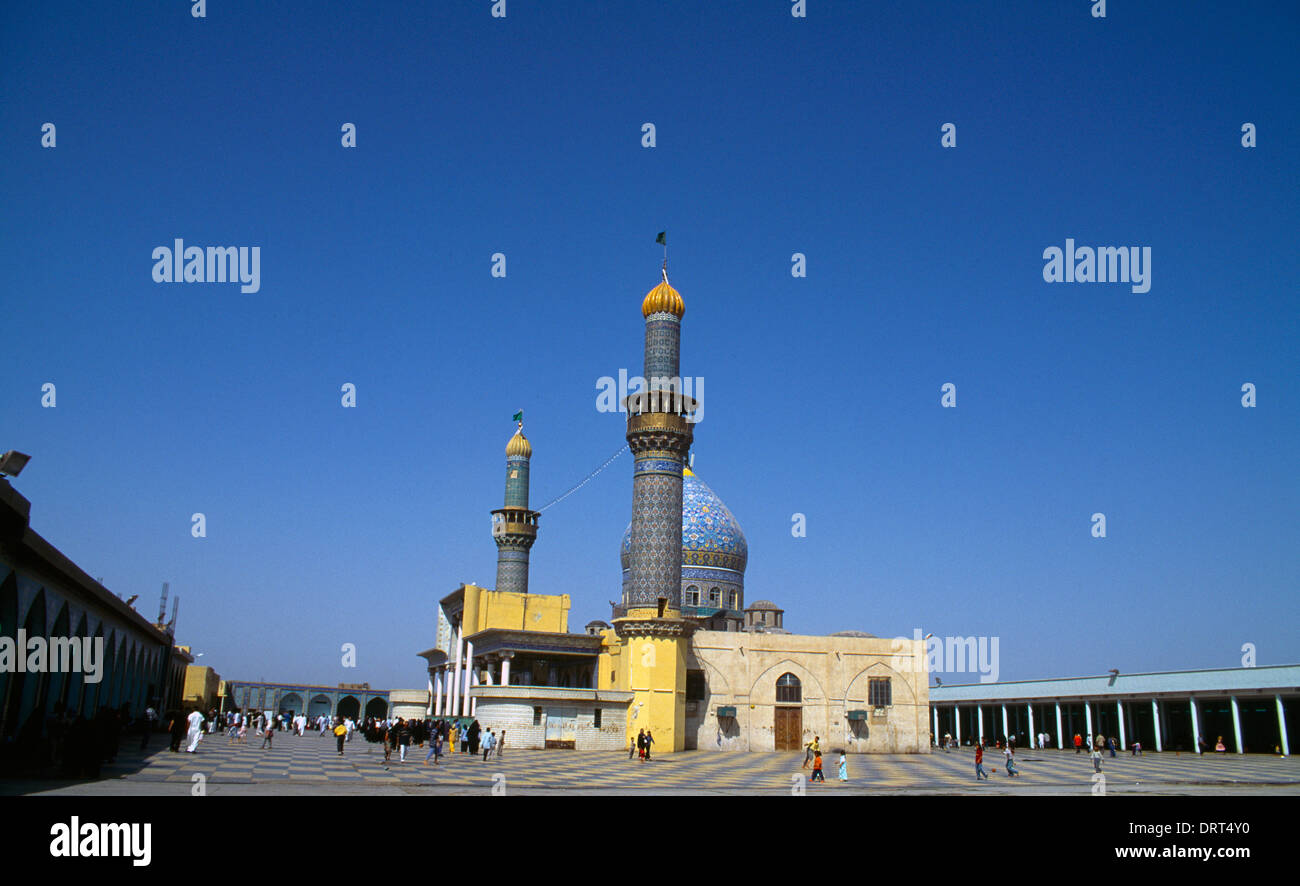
(514, 527)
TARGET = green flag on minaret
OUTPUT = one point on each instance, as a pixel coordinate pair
(662, 238)
(519, 416)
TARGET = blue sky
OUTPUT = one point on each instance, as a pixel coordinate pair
(775, 135)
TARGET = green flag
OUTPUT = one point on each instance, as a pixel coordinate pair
(662, 238)
(519, 416)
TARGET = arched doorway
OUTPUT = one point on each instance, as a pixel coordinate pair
(377, 708)
(291, 704)
(349, 707)
(787, 725)
(319, 706)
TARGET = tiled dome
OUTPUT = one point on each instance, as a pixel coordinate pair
(710, 534)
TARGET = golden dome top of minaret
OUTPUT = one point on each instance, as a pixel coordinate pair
(663, 299)
(519, 444)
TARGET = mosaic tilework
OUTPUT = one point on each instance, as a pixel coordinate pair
(663, 334)
(655, 558)
(516, 481)
(512, 570)
(711, 536)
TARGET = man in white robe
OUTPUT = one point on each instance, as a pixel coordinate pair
(195, 731)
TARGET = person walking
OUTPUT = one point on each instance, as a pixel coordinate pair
(979, 763)
(810, 749)
(267, 736)
(435, 747)
(640, 745)
(817, 774)
(649, 741)
(340, 733)
(403, 738)
(150, 722)
(1010, 754)
(196, 730)
(844, 767)
(1078, 742)
(499, 743)
(488, 740)
(1096, 759)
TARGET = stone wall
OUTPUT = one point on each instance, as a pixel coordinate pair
(741, 670)
(513, 708)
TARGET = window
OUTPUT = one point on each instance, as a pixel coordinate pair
(695, 686)
(715, 596)
(879, 692)
(537, 716)
(732, 599)
(596, 718)
(692, 596)
(788, 689)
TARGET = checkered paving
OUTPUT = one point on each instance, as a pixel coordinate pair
(313, 759)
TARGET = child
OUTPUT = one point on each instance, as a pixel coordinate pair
(1011, 762)
(817, 774)
(844, 767)
(1096, 759)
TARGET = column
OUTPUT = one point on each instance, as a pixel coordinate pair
(469, 669)
(1281, 725)
(956, 717)
(455, 677)
(1155, 721)
(1006, 730)
(1060, 733)
(1196, 725)
(979, 732)
(437, 693)
(1087, 718)
(473, 701)
(505, 667)
(1033, 734)
(1119, 708)
(938, 738)
(1236, 725)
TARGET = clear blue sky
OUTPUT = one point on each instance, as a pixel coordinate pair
(774, 135)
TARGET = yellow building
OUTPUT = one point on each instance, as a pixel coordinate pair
(202, 687)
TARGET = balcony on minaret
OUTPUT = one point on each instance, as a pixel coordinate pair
(511, 521)
(666, 400)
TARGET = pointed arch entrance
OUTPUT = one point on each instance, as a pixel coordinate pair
(787, 724)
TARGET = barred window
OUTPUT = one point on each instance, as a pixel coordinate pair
(596, 722)
(692, 596)
(732, 599)
(537, 716)
(695, 686)
(715, 596)
(879, 692)
(788, 689)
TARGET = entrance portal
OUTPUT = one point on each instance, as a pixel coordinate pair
(788, 728)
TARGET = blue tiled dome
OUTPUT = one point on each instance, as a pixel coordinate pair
(710, 534)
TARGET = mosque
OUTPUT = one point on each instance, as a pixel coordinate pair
(683, 656)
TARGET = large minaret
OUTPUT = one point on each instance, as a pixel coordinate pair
(514, 526)
(659, 435)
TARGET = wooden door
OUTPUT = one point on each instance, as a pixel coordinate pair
(788, 728)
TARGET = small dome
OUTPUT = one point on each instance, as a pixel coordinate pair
(763, 604)
(663, 299)
(519, 445)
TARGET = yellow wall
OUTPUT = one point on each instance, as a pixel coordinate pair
(656, 673)
(201, 684)
(486, 610)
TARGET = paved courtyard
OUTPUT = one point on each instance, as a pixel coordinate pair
(311, 765)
